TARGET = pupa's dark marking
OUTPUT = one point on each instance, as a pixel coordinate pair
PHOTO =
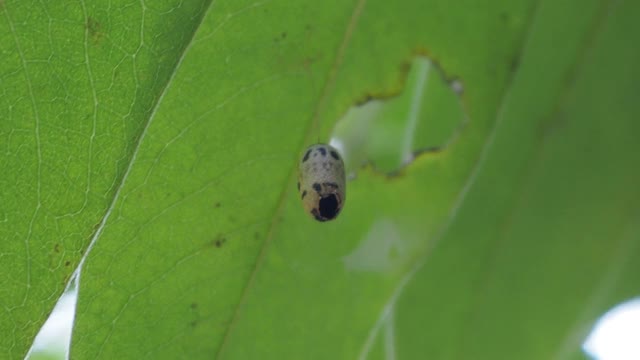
(331, 184)
(298, 185)
(316, 214)
(323, 151)
(317, 187)
(329, 207)
(334, 155)
(306, 155)
(304, 193)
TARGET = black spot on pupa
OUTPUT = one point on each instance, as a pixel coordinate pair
(331, 185)
(304, 193)
(329, 208)
(317, 187)
(317, 216)
(323, 151)
(334, 155)
(306, 156)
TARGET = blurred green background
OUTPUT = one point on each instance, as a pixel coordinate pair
(492, 208)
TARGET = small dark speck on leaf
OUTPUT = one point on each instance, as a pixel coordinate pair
(194, 305)
(193, 323)
(283, 35)
(217, 205)
(220, 242)
(67, 263)
(56, 248)
(93, 27)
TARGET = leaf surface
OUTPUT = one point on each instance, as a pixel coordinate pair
(157, 145)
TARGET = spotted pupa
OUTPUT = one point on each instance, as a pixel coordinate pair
(321, 182)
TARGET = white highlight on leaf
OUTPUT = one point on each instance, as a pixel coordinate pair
(384, 315)
(390, 336)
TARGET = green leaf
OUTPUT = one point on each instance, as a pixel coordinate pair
(154, 147)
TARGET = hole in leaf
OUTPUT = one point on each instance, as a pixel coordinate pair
(425, 115)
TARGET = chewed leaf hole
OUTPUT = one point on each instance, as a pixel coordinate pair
(426, 115)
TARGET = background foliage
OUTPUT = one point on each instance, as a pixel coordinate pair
(155, 144)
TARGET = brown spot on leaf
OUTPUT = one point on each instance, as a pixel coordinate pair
(94, 29)
(220, 242)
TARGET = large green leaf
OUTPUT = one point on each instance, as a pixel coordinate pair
(156, 145)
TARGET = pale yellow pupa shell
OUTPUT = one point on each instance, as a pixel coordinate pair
(322, 182)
